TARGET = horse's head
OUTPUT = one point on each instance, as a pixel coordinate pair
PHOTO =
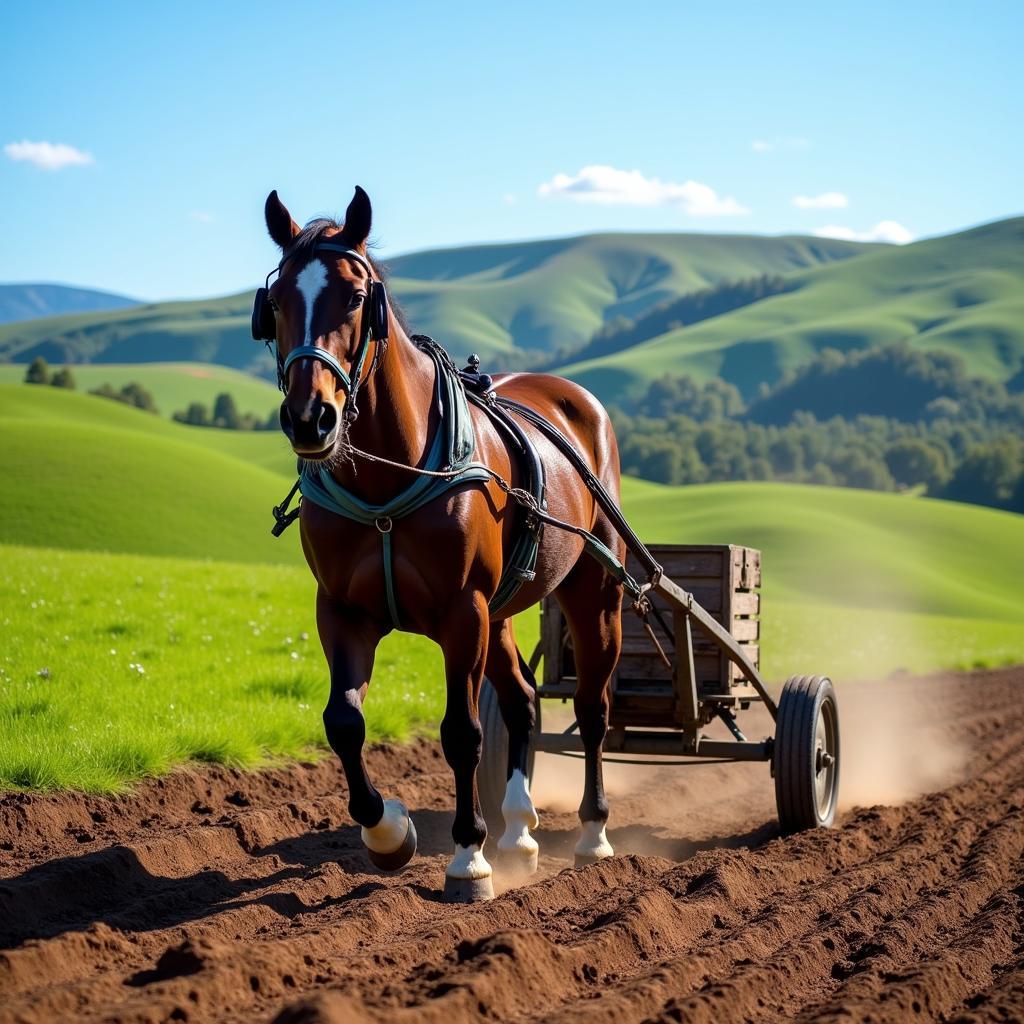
(325, 310)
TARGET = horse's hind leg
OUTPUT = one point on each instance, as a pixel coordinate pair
(591, 601)
(517, 849)
(350, 641)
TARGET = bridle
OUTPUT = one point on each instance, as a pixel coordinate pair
(374, 327)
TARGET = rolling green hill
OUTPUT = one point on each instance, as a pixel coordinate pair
(86, 473)
(120, 661)
(173, 385)
(961, 293)
(535, 295)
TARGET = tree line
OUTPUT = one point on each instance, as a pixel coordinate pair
(223, 414)
(930, 427)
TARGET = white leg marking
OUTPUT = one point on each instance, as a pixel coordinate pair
(311, 282)
(593, 842)
(520, 816)
(468, 863)
(389, 833)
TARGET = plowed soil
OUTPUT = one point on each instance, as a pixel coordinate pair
(219, 896)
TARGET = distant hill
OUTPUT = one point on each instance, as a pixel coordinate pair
(961, 293)
(173, 385)
(31, 301)
(542, 296)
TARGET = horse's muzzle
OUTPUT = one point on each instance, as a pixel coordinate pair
(313, 429)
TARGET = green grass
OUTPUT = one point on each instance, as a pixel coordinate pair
(231, 669)
(84, 472)
(173, 385)
(856, 584)
(961, 293)
(541, 294)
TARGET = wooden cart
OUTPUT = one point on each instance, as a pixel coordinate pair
(702, 664)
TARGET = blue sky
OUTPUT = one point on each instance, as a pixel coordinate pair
(471, 122)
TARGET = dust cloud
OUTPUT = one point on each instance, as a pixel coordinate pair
(896, 741)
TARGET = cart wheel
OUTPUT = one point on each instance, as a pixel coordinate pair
(491, 776)
(806, 754)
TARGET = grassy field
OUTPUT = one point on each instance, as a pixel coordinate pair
(961, 293)
(120, 666)
(541, 294)
(173, 385)
(87, 473)
(129, 541)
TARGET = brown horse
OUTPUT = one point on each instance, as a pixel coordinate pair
(447, 556)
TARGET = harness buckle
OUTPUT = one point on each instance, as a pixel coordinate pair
(383, 524)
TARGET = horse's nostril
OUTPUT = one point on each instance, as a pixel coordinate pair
(286, 421)
(328, 420)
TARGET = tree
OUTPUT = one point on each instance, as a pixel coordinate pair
(913, 462)
(38, 372)
(133, 393)
(988, 474)
(856, 468)
(196, 415)
(225, 412)
(63, 378)
(787, 456)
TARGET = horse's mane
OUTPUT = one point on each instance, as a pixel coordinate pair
(305, 242)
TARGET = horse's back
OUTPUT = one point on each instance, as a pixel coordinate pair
(575, 411)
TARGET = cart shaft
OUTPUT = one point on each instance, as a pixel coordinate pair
(655, 743)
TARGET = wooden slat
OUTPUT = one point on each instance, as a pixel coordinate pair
(722, 579)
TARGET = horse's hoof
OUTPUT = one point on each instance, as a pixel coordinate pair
(468, 890)
(593, 845)
(397, 858)
(516, 865)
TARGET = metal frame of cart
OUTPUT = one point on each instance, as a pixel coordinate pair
(693, 660)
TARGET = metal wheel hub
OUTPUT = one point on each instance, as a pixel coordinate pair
(825, 744)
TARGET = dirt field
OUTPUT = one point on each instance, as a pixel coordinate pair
(217, 896)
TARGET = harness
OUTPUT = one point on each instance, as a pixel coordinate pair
(449, 463)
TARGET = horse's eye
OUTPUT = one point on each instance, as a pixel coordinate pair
(356, 301)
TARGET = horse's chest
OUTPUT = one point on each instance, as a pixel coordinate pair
(426, 558)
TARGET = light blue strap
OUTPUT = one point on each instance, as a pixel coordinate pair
(325, 357)
(389, 579)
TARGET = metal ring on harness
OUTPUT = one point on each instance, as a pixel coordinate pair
(383, 523)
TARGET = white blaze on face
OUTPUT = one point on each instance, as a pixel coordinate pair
(311, 282)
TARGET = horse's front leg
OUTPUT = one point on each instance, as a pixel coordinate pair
(464, 643)
(350, 641)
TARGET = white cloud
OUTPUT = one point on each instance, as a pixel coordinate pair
(769, 145)
(50, 156)
(599, 183)
(883, 231)
(825, 201)
(201, 217)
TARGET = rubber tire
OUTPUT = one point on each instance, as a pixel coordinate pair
(794, 750)
(492, 775)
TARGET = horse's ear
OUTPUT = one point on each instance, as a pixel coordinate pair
(279, 221)
(358, 218)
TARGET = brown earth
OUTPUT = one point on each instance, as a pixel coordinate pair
(219, 896)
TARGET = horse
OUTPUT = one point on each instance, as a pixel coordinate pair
(361, 407)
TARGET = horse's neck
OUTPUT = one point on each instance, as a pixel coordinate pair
(397, 417)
